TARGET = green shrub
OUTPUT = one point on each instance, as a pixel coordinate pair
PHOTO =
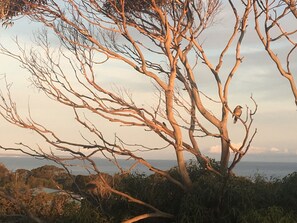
(269, 215)
(244, 193)
(213, 198)
(287, 193)
(86, 214)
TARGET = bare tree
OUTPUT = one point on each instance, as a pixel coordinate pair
(139, 34)
(271, 24)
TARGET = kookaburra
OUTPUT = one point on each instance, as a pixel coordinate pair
(237, 113)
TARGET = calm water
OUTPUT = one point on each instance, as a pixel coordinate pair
(248, 169)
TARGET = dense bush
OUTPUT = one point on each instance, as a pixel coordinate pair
(212, 199)
(85, 214)
(287, 194)
(271, 214)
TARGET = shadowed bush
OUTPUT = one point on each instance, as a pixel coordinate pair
(269, 215)
(287, 194)
(213, 199)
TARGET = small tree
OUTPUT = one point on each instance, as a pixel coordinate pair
(158, 39)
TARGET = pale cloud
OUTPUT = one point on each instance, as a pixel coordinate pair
(259, 150)
(216, 149)
(269, 150)
(279, 150)
(273, 149)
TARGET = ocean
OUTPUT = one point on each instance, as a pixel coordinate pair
(244, 168)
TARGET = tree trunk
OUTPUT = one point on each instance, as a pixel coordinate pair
(225, 155)
(178, 141)
(183, 168)
(225, 142)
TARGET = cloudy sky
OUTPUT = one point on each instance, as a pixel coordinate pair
(276, 119)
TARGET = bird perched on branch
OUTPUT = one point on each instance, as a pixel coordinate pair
(237, 113)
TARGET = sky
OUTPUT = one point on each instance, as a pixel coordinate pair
(276, 119)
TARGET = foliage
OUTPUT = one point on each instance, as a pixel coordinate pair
(85, 214)
(287, 194)
(12, 8)
(212, 199)
(135, 7)
(271, 214)
(241, 200)
(4, 175)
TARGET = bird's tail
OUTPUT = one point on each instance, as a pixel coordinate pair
(235, 119)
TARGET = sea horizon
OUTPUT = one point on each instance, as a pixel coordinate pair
(266, 169)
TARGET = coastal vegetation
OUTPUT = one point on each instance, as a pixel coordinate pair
(84, 62)
(25, 196)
